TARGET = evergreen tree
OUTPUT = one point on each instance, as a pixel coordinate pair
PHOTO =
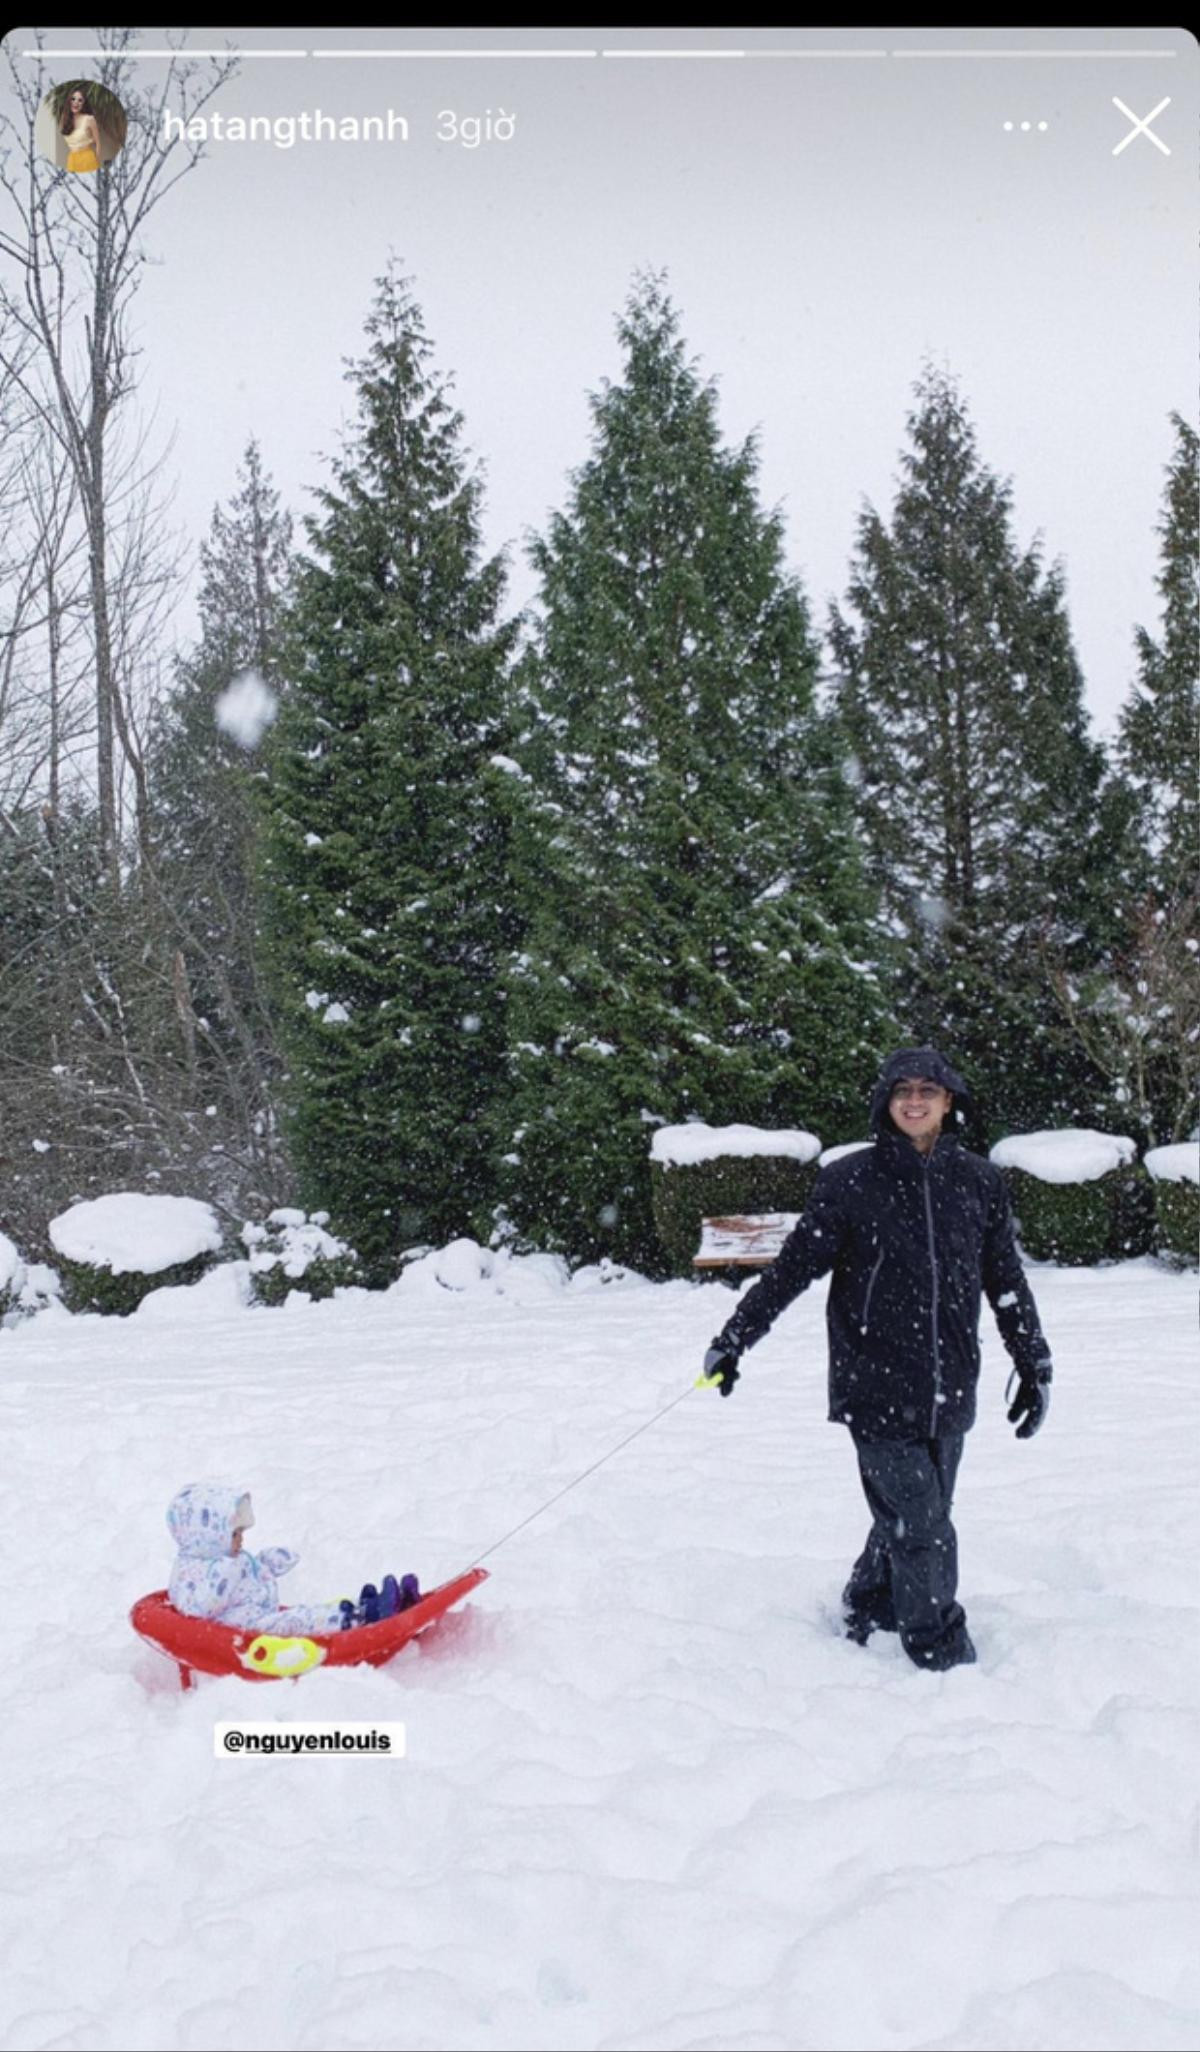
(385, 869)
(206, 820)
(979, 786)
(1136, 1007)
(1158, 726)
(699, 941)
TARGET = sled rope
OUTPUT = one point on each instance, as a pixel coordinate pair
(568, 1486)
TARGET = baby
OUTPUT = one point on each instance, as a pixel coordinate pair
(214, 1578)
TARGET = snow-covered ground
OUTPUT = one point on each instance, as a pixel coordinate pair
(651, 1799)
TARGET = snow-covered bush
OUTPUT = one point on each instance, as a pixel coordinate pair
(1175, 1175)
(12, 1276)
(114, 1250)
(699, 1171)
(25, 1287)
(42, 1288)
(296, 1252)
(1079, 1196)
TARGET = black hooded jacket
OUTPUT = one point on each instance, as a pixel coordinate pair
(912, 1239)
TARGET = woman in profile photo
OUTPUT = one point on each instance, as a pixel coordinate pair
(82, 132)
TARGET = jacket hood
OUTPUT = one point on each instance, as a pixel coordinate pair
(927, 1063)
(204, 1516)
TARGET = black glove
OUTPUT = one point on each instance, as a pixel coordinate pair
(719, 1361)
(1032, 1400)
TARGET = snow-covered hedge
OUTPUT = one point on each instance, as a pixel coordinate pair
(1175, 1175)
(1079, 1196)
(829, 1154)
(699, 1171)
(114, 1250)
(296, 1252)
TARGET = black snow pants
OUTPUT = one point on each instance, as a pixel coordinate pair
(906, 1577)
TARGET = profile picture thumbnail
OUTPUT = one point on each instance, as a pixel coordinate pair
(81, 126)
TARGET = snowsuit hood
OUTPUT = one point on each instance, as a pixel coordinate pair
(204, 1516)
(927, 1064)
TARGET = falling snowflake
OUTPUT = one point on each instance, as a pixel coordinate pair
(246, 709)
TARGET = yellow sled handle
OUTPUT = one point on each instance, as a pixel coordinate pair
(707, 1382)
(281, 1657)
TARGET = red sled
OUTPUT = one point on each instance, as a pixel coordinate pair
(196, 1644)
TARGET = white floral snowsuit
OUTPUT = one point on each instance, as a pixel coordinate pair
(210, 1580)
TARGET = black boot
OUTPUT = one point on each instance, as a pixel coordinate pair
(864, 1615)
(954, 1650)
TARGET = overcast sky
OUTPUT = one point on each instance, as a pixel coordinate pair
(826, 222)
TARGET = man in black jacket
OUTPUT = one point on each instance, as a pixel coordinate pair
(913, 1227)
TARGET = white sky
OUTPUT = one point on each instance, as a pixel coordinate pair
(825, 223)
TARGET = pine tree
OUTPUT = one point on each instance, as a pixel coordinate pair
(1136, 1006)
(207, 822)
(1158, 726)
(699, 941)
(978, 783)
(202, 774)
(385, 871)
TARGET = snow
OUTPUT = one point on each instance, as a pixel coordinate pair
(651, 1798)
(246, 708)
(129, 1231)
(458, 1266)
(848, 1147)
(1177, 1164)
(933, 912)
(682, 1145)
(221, 1289)
(1074, 1154)
(298, 1241)
(12, 1268)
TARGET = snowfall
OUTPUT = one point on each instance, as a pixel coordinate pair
(651, 1798)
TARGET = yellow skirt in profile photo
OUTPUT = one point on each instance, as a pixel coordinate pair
(83, 160)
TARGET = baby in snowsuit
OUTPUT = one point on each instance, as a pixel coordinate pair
(213, 1577)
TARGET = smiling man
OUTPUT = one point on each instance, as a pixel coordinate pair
(914, 1228)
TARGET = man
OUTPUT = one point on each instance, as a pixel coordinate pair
(912, 1227)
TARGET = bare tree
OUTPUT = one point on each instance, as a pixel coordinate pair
(42, 584)
(1138, 1017)
(75, 374)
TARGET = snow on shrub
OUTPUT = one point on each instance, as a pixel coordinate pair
(25, 1287)
(699, 1171)
(464, 1266)
(41, 1289)
(1079, 1196)
(1175, 1175)
(113, 1250)
(12, 1276)
(295, 1251)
